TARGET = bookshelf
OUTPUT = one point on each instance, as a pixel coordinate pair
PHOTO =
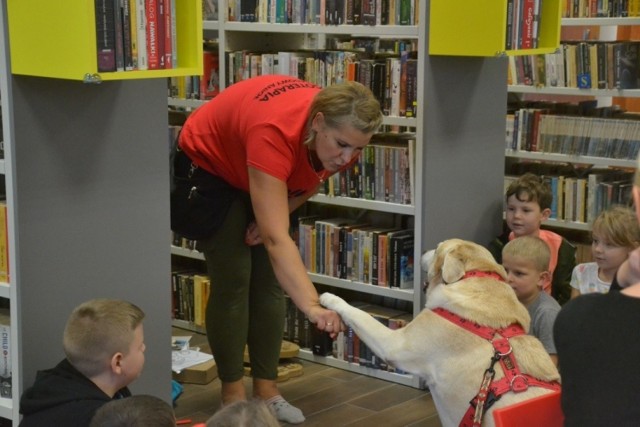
(480, 28)
(459, 159)
(87, 185)
(65, 41)
(604, 97)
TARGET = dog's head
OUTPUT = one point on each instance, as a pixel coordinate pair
(454, 258)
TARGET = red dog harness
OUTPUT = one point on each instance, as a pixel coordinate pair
(513, 380)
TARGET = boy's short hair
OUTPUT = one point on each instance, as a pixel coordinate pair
(531, 248)
(96, 330)
(136, 411)
(619, 225)
(531, 188)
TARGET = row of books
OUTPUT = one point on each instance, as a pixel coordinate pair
(581, 198)
(325, 12)
(347, 346)
(583, 65)
(4, 242)
(523, 24)
(535, 130)
(189, 295)
(358, 251)
(135, 35)
(600, 8)
(203, 87)
(384, 171)
(392, 80)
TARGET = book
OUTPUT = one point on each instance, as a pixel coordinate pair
(119, 35)
(5, 353)
(4, 243)
(141, 28)
(401, 261)
(105, 35)
(152, 21)
(127, 32)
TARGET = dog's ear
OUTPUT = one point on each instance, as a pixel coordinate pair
(452, 268)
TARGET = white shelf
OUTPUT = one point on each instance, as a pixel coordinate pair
(387, 120)
(187, 253)
(395, 31)
(211, 25)
(565, 158)
(627, 93)
(366, 288)
(567, 225)
(5, 290)
(1, 166)
(6, 408)
(375, 205)
(189, 326)
(407, 380)
(572, 22)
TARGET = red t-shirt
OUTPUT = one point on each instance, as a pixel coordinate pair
(259, 123)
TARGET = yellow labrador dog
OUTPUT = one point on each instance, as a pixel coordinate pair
(469, 343)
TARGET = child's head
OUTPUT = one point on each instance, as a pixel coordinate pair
(528, 201)
(526, 261)
(136, 411)
(252, 413)
(106, 335)
(615, 233)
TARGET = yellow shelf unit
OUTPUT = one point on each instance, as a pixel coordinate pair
(478, 28)
(58, 40)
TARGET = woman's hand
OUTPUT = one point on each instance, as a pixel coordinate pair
(252, 235)
(326, 320)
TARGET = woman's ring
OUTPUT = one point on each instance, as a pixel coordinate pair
(329, 323)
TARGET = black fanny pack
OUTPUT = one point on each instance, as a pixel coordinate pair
(200, 201)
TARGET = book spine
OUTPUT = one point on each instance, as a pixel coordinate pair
(119, 36)
(168, 35)
(126, 35)
(153, 54)
(141, 27)
(105, 35)
(162, 10)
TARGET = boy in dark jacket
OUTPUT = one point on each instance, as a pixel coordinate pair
(104, 345)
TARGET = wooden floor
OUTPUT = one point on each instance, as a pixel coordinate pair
(327, 396)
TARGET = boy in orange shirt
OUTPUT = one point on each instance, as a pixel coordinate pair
(528, 205)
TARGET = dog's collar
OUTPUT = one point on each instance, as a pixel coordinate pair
(478, 273)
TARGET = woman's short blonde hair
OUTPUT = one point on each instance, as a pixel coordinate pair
(348, 103)
(96, 330)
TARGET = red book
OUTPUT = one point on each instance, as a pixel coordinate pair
(162, 13)
(210, 81)
(168, 36)
(526, 25)
(153, 53)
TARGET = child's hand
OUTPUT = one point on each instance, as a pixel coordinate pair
(629, 272)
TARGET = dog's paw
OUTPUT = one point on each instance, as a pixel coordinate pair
(330, 301)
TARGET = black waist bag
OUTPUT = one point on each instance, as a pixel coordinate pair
(199, 201)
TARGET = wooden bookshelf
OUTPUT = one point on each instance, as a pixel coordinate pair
(473, 28)
(59, 41)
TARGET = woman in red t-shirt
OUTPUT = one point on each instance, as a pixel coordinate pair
(267, 143)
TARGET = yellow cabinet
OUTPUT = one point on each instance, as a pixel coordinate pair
(479, 28)
(58, 39)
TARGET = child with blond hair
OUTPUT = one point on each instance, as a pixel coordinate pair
(615, 233)
(526, 261)
(104, 346)
(528, 202)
